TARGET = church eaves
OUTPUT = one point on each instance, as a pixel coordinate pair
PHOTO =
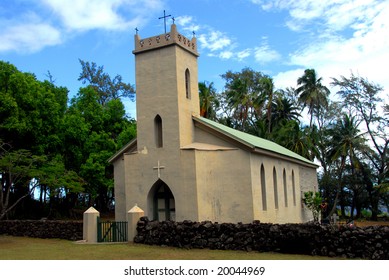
(253, 142)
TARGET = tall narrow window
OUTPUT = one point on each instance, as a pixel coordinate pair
(285, 189)
(158, 131)
(293, 189)
(275, 188)
(187, 83)
(263, 188)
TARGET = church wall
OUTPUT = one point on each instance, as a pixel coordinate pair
(304, 178)
(205, 137)
(177, 173)
(308, 182)
(289, 212)
(135, 191)
(187, 205)
(119, 189)
(224, 186)
(186, 106)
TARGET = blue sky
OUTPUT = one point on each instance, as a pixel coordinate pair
(280, 38)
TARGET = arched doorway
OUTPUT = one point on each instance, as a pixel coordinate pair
(161, 202)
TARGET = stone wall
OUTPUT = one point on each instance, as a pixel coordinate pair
(70, 230)
(310, 239)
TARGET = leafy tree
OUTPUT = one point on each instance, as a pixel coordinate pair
(313, 201)
(243, 97)
(30, 109)
(94, 131)
(362, 99)
(106, 88)
(17, 168)
(31, 114)
(296, 139)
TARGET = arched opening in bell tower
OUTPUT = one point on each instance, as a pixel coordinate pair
(158, 131)
(187, 83)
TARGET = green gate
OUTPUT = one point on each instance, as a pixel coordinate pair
(109, 231)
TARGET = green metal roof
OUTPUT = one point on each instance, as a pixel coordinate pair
(253, 141)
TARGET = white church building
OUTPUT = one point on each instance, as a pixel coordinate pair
(184, 167)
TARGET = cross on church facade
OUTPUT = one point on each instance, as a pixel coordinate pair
(159, 167)
(164, 18)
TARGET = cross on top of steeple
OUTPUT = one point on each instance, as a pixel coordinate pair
(164, 18)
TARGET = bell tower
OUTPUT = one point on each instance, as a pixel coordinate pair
(166, 90)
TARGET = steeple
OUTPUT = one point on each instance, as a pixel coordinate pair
(166, 90)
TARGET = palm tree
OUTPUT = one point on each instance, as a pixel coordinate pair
(312, 93)
(297, 139)
(243, 97)
(208, 101)
(283, 110)
(267, 92)
(347, 141)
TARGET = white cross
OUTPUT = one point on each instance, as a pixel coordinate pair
(159, 167)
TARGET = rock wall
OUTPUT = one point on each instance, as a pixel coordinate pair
(70, 230)
(310, 239)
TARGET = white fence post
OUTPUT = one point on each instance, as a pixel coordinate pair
(133, 217)
(89, 233)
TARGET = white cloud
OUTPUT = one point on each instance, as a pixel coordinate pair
(343, 36)
(243, 54)
(187, 24)
(287, 79)
(226, 54)
(264, 54)
(184, 20)
(28, 37)
(96, 14)
(214, 41)
(327, 15)
(47, 23)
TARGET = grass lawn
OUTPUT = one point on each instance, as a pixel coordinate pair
(25, 248)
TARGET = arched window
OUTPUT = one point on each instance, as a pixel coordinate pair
(293, 189)
(263, 188)
(187, 83)
(275, 188)
(285, 189)
(158, 131)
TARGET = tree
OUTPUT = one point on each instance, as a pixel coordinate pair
(60, 150)
(30, 109)
(94, 131)
(361, 98)
(347, 142)
(106, 88)
(267, 91)
(312, 93)
(314, 202)
(31, 115)
(283, 110)
(295, 138)
(243, 98)
(209, 103)
(17, 168)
